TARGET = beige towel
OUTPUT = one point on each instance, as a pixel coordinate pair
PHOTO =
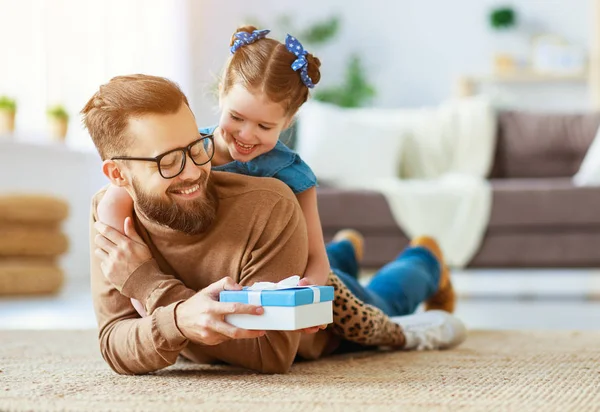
(26, 276)
(32, 208)
(31, 240)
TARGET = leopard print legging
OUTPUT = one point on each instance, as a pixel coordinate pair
(359, 322)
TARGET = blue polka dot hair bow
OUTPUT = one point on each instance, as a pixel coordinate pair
(294, 46)
(244, 38)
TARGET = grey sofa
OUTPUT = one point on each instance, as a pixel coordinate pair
(538, 219)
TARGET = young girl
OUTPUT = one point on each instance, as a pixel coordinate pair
(263, 85)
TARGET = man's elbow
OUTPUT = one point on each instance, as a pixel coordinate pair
(279, 361)
(121, 365)
(277, 367)
(113, 363)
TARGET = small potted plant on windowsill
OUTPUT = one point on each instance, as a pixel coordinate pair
(8, 110)
(58, 121)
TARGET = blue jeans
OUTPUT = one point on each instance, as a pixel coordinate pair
(397, 288)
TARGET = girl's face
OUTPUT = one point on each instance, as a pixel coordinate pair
(250, 124)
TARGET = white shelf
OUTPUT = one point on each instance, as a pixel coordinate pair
(529, 77)
(41, 142)
(467, 85)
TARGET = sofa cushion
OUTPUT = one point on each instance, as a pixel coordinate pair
(518, 204)
(20, 276)
(32, 240)
(358, 209)
(350, 145)
(32, 208)
(550, 202)
(542, 145)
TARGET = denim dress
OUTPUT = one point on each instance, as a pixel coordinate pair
(281, 163)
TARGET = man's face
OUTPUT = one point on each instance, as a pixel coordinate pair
(187, 202)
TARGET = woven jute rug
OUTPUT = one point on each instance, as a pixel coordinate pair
(491, 371)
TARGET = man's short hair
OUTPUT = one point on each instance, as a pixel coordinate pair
(107, 113)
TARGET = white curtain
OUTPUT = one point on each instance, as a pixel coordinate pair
(60, 51)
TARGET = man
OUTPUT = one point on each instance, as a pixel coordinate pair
(195, 228)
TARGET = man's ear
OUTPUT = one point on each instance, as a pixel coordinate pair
(114, 173)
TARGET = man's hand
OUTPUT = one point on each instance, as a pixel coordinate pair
(119, 254)
(310, 281)
(142, 311)
(201, 318)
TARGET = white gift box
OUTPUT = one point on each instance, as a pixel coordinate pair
(286, 305)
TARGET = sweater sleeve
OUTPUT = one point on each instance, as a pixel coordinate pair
(128, 343)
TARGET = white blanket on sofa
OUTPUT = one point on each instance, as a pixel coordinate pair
(445, 156)
(589, 171)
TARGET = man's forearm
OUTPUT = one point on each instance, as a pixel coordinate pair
(273, 353)
(131, 345)
(153, 288)
(137, 346)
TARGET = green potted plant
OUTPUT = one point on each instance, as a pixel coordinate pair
(8, 110)
(354, 91)
(58, 120)
(503, 20)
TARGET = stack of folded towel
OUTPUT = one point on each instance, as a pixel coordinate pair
(31, 241)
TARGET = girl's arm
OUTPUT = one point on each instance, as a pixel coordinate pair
(114, 207)
(317, 269)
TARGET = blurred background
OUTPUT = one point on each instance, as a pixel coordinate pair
(534, 261)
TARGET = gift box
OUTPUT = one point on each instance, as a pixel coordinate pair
(286, 305)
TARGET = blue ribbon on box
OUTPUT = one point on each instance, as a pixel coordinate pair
(285, 293)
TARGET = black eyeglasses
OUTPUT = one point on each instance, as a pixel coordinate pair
(172, 163)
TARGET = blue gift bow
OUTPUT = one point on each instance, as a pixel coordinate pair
(244, 38)
(294, 46)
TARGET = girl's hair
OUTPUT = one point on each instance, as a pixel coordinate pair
(266, 66)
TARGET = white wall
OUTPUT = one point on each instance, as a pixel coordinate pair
(61, 50)
(413, 49)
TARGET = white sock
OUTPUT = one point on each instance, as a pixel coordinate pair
(411, 340)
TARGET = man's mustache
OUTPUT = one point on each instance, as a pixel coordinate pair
(187, 183)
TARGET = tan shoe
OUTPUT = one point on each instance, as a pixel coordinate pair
(357, 240)
(445, 297)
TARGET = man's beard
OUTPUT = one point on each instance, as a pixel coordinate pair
(191, 217)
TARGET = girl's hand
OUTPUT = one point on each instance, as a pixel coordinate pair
(139, 307)
(316, 278)
(314, 329)
(120, 254)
